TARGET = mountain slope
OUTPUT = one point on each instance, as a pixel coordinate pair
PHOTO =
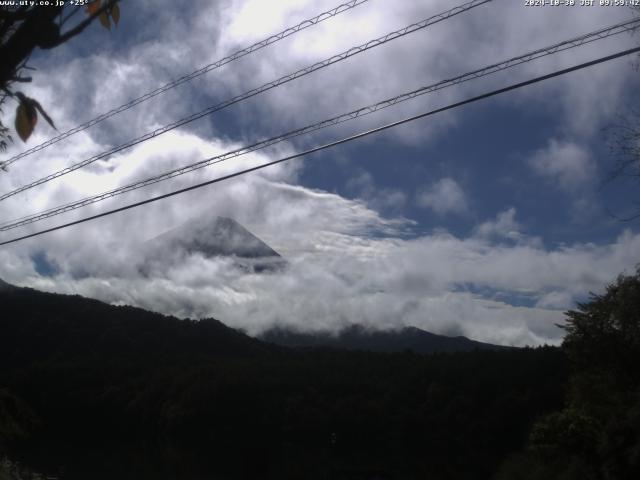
(359, 338)
(6, 287)
(213, 237)
(36, 326)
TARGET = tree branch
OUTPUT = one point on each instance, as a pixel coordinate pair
(29, 34)
(66, 19)
(9, 18)
(81, 26)
(21, 79)
(15, 15)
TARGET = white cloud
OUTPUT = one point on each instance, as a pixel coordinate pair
(340, 279)
(348, 264)
(443, 197)
(567, 164)
(386, 71)
(504, 226)
(556, 300)
(382, 199)
(200, 32)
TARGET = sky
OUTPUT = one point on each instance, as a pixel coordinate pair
(489, 221)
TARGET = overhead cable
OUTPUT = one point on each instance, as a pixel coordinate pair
(512, 62)
(256, 91)
(190, 76)
(332, 144)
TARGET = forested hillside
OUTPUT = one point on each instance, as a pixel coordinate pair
(117, 391)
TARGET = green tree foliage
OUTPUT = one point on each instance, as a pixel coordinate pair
(597, 435)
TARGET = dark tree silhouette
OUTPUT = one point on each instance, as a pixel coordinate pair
(597, 434)
(603, 335)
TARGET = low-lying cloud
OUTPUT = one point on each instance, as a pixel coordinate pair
(345, 264)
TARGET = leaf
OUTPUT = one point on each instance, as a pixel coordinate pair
(115, 14)
(37, 105)
(26, 119)
(104, 20)
(93, 7)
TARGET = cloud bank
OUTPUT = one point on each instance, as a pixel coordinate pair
(350, 260)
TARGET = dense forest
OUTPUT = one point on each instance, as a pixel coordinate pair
(88, 389)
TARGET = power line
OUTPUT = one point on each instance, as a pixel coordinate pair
(190, 76)
(333, 144)
(512, 62)
(256, 91)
